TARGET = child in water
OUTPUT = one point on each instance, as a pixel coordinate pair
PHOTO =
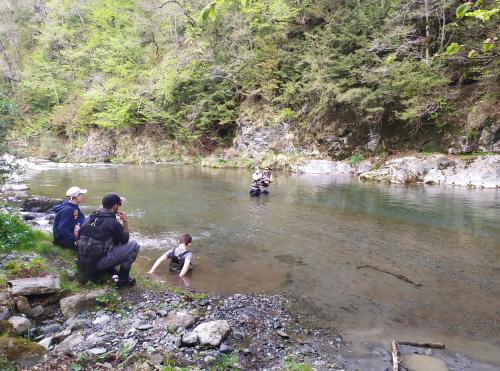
(180, 257)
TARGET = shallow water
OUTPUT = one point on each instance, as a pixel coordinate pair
(311, 236)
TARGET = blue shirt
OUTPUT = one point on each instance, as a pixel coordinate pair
(67, 216)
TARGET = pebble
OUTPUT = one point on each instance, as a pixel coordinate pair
(283, 334)
(101, 320)
(145, 326)
(97, 351)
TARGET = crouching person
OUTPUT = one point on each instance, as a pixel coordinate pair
(104, 244)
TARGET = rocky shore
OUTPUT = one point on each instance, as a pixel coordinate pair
(480, 172)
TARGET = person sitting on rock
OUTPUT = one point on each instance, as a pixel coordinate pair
(104, 244)
(180, 257)
(68, 219)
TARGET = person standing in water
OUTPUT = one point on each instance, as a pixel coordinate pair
(267, 179)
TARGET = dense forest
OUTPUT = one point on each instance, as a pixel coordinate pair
(411, 74)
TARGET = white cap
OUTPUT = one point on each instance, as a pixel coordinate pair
(75, 191)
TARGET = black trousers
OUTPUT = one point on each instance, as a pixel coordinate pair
(123, 255)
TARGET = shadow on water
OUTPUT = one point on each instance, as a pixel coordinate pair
(311, 235)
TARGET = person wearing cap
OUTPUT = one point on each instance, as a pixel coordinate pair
(267, 179)
(104, 243)
(68, 218)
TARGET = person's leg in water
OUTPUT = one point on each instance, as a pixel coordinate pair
(122, 255)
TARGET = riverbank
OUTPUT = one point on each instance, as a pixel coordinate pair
(49, 321)
(477, 171)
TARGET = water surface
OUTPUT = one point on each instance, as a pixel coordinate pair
(310, 237)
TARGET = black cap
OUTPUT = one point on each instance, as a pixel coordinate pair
(111, 199)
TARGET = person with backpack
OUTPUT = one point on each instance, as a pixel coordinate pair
(180, 257)
(104, 244)
(68, 219)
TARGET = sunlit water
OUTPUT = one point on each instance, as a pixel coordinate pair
(310, 236)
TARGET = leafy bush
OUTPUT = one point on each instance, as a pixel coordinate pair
(14, 234)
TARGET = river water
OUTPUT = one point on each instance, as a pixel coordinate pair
(334, 243)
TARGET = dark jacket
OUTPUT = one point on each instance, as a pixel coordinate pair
(67, 216)
(103, 226)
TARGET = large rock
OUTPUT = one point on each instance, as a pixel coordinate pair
(75, 304)
(39, 204)
(23, 352)
(314, 167)
(190, 339)
(21, 324)
(176, 319)
(67, 345)
(212, 333)
(35, 286)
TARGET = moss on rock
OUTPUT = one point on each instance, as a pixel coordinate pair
(24, 352)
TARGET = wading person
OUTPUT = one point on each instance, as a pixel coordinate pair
(180, 258)
(104, 244)
(267, 179)
(68, 219)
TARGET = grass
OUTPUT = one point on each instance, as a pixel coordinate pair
(291, 364)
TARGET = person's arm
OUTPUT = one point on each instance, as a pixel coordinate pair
(185, 267)
(160, 260)
(122, 234)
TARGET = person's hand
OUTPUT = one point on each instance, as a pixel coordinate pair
(150, 273)
(122, 216)
(185, 280)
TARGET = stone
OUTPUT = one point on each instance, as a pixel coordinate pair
(46, 343)
(314, 167)
(190, 339)
(75, 304)
(74, 323)
(60, 336)
(101, 320)
(129, 344)
(21, 324)
(434, 176)
(67, 345)
(24, 352)
(97, 351)
(51, 329)
(35, 286)
(145, 326)
(212, 333)
(4, 313)
(37, 311)
(162, 312)
(176, 319)
(283, 334)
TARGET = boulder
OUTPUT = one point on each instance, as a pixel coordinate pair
(35, 285)
(434, 176)
(75, 304)
(39, 204)
(212, 333)
(68, 344)
(176, 319)
(23, 352)
(314, 167)
(21, 324)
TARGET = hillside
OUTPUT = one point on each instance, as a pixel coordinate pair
(143, 80)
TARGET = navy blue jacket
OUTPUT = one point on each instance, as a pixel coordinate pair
(67, 216)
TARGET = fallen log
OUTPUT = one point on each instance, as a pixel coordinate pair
(395, 343)
(395, 361)
(397, 275)
(34, 286)
(422, 345)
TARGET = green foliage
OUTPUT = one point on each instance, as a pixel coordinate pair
(291, 364)
(21, 268)
(356, 158)
(111, 301)
(75, 366)
(227, 363)
(15, 235)
(7, 365)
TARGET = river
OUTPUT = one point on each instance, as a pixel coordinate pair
(334, 243)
